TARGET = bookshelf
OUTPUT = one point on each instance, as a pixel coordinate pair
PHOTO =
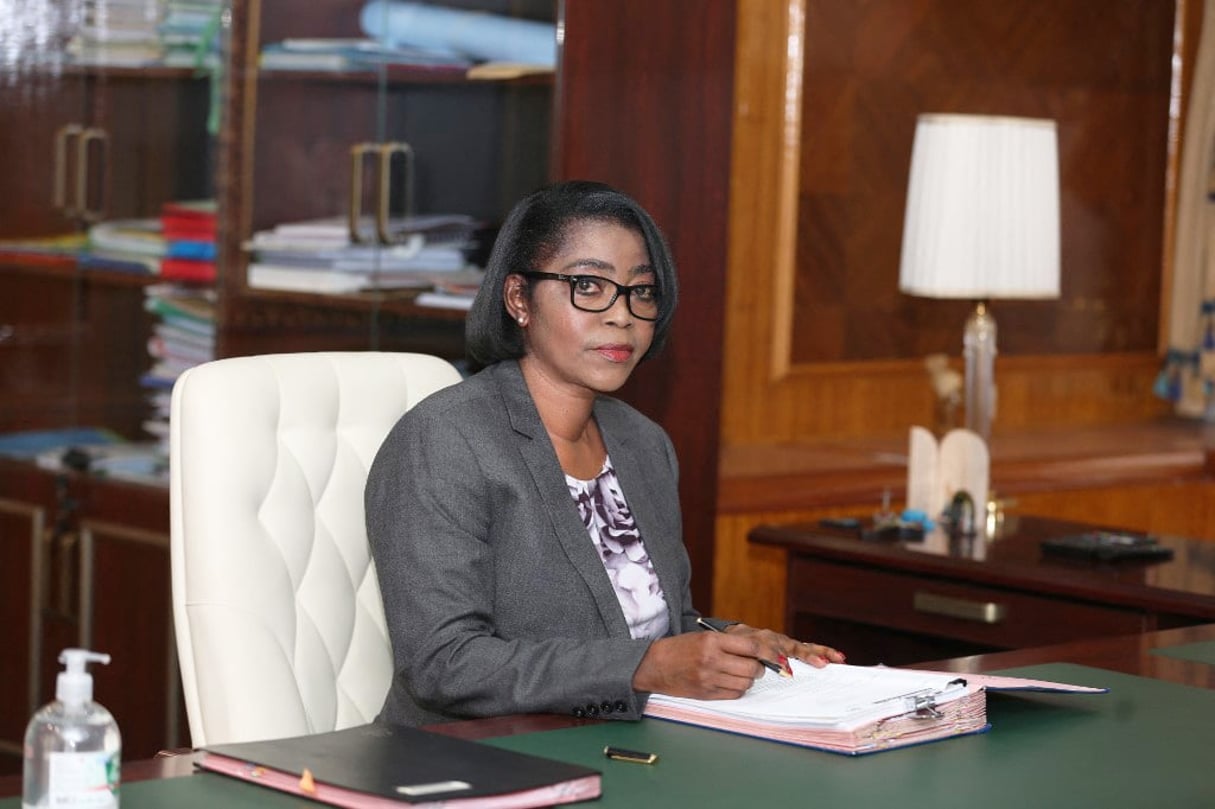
(640, 99)
(82, 554)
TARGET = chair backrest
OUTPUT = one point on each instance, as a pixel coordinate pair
(277, 611)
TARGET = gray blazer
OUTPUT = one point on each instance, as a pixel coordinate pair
(496, 599)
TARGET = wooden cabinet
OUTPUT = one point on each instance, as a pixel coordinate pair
(84, 563)
(905, 601)
(86, 144)
(21, 529)
(98, 142)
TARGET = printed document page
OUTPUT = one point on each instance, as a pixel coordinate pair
(836, 696)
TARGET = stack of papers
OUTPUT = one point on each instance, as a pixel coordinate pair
(145, 33)
(125, 245)
(319, 256)
(98, 451)
(119, 32)
(853, 709)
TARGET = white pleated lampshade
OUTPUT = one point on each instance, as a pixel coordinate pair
(982, 217)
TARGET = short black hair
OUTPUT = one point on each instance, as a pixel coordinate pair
(532, 234)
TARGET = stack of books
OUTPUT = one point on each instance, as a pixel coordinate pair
(182, 337)
(48, 250)
(179, 245)
(119, 33)
(124, 245)
(145, 33)
(189, 230)
(190, 33)
(341, 54)
(319, 256)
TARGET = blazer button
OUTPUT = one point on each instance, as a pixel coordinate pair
(620, 706)
(592, 711)
(606, 707)
(579, 713)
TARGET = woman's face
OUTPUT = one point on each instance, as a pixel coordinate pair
(572, 348)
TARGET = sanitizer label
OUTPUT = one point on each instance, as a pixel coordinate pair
(83, 781)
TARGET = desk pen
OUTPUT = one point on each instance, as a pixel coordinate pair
(783, 671)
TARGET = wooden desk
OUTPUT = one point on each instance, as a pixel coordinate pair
(899, 602)
(1129, 654)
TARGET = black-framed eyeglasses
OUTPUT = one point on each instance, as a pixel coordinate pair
(591, 293)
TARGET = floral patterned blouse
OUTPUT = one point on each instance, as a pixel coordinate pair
(608, 520)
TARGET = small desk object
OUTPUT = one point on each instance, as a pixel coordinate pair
(902, 600)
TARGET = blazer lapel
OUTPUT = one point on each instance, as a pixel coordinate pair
(559, 509)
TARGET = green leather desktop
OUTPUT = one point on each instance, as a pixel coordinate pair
(1146, 743)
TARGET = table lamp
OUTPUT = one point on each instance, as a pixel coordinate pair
(982, 222)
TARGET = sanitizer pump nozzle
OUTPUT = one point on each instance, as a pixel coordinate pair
(75, 685)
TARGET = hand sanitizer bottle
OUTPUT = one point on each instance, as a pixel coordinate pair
(73, 750)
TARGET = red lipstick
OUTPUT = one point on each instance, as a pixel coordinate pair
(616, 352)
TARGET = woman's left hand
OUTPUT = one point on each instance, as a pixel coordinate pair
(782, 646)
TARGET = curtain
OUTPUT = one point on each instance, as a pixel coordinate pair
(1188, 376)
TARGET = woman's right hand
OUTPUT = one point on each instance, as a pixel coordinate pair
(700, 665)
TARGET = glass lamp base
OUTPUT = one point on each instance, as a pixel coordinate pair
(979, 350)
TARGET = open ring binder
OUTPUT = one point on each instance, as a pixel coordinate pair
(852, 709)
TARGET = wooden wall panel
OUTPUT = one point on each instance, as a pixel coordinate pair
(1101, 68)
(770, 395)
(1184, 508)
(645, 105)
(750, 579)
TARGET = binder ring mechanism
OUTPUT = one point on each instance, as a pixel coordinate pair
(922, 704)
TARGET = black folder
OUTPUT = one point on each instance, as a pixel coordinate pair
(371, 764)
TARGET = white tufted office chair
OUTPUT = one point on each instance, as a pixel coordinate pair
(280, 627)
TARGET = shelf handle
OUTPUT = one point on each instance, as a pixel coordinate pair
(59, 197)
(87, 138)
(983, 612)
(383, 219)
(37, 518)
(358, 157)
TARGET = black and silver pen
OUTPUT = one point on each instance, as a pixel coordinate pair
(783, 671)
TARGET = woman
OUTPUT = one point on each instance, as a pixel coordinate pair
(526, 526)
